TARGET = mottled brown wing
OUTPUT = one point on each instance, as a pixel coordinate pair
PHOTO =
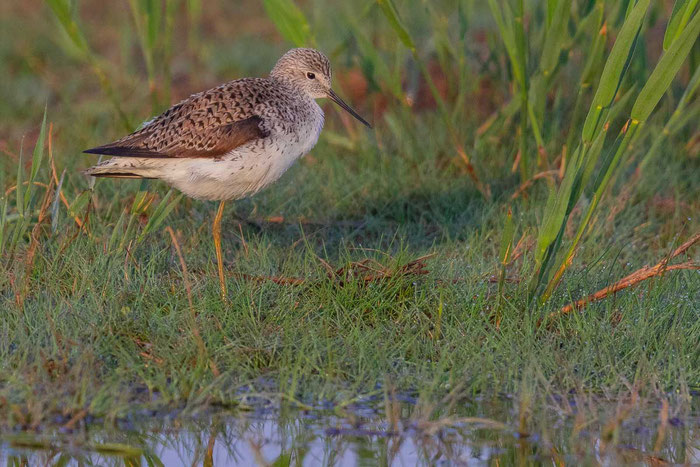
(209, 124)
(213, 142)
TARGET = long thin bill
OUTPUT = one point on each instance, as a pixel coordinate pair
(334, 97)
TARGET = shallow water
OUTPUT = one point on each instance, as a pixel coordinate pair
(371, 433)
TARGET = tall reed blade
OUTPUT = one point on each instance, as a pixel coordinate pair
(558, 211)
(614, 70)
(664, 72)
(553, 45)
(290, 22)
(682, 12)
(3, 223)
(680, 118)
(37, 159)
(650, 95)
(389, 10)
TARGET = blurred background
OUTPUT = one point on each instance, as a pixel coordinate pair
(101, 68)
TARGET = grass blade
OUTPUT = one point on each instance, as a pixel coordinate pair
(664, 72)
(555, 210)
(678, 120)
(161, 212)
(555, 38)
(78, 204)
(614, 69)
(3, 223)
(600, 185)
(65, 15)
(37, 159)
(19, 191)
(682, 11)
(504, 21)
(117, 231)
(290, 21)
(505, 253)
(389, 10)
(55, 204)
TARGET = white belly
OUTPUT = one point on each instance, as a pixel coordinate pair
(247, 169)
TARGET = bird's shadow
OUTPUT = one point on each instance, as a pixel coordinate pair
(416, 220)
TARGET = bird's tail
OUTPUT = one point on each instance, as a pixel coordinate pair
(121, 168)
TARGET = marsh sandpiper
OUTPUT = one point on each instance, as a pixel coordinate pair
(233, 140)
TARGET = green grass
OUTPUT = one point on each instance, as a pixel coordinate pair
(99, 318)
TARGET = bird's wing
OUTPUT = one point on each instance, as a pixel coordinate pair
(206, 125)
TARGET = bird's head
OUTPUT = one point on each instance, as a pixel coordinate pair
(310, 71)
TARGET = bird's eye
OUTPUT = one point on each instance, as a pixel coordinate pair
(310, 75)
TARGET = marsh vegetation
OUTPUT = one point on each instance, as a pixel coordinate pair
(513, 247)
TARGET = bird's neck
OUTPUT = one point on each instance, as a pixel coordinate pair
(281, 75)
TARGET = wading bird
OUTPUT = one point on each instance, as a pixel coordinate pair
(233, 140)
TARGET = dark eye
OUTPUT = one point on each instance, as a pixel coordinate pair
(310, 75)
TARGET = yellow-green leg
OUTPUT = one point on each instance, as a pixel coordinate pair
(216, 230)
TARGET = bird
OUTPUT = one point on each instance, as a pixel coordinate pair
(231, 141)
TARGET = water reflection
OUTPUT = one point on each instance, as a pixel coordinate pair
(371, 434)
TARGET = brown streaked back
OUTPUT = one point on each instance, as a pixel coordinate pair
(208, 124)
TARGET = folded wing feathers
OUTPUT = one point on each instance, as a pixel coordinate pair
(210, 142)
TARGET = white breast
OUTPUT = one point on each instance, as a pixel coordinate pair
(287, 147)
(313, 129)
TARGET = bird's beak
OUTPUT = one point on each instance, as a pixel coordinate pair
(334, 97)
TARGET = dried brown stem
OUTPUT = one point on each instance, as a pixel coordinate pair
(483, 188)
(81, 414)
(527, 183)
(637, 276)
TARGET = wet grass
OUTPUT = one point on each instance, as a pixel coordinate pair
(109, 306)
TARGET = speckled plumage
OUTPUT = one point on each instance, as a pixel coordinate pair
(233, 140)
